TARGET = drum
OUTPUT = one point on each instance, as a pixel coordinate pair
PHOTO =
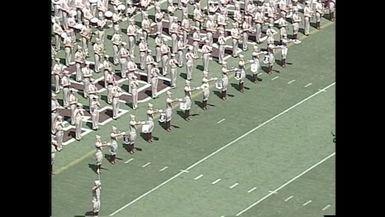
(145, 128)
(254, 67)
(94, 20)
(237, 75)
(162, 117)
(183, 106)
(126, 139)
(108, 14)
(218, 84)
(121, 7)
(266, 59)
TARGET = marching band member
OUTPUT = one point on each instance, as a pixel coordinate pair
(59, 132)
(181, 46)
(154, 75)
(107, 67)
(149, 64)
(94, 110)
(116, 43)
(206, 51)
(132, 133)
(331, 7)
(131, 33)
(165, 50)
(143, 52)
(189, 62)
(116, 92)
(58, 32)
(284, 48)
(173, 64)
(99, 159)
(65, 83)
(282, 23)
(146, 26)
(92, 90)
(57, 71)
(221, 45)
(65, 10)
(158, 45)
(158, 19)
(258, 20)
(115, 135)
(255, 65)
(110, 83)
(67, 41)
(307, 13)
(171, 8)
(197, 13)
(211, 29)
(221, 19)
(130, 8)
(100, 32)
(87, 75)
(224, 81)
(123, 56)
(79, 57)
(237, 14)
(72, 101)
(174, 31)
(150, 122)
(134, 91)
(132, 69)
(318, 13)
(296, 19)
(188, 99)
(242, 73)
(54, 109)
(96, 188)
(79, 113)
(269, 58)
(196, 40)
(270, 32)
(168, 112)
(206, 88)
(235, 34)
(246, 28)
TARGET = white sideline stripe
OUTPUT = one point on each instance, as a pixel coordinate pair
(231, 187)
(288, 182)
(129, 160)
(146, 164)
(216, 181)
(218, 150)
(326, 207)
(287, 199)
(251, 190)
(198, 177)
(309, 201)
(290, 81)
(164, 168)
(221, 121)
(307, 85)
(275, 78)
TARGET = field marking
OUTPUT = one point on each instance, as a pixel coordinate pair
(129, 160)
(275, 78)
(198, 177)
(164, 168)
(273, 192)
(307, 85)
(218, 150)
(286, 183)
(251, 190)
(233, 186)
(326, 207)
(309, 201)
(290, 82)
(148, 163)
(216, 181)
(221, 121)
(287, 199)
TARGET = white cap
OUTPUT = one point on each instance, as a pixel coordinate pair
(97, 182)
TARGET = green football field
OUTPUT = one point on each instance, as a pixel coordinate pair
(265, 152)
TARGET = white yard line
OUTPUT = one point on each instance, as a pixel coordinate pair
(309, 201)
(129, 160)
(307, 85)
(275, 78)
(233, 186)
(290, 81)
(221, 121)
(164, 168)
(286, 183)
(216, 181)
(148, 163)
(218, 150)
(287, 199)
(251, 190)
(326, 207)
(198, 177)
